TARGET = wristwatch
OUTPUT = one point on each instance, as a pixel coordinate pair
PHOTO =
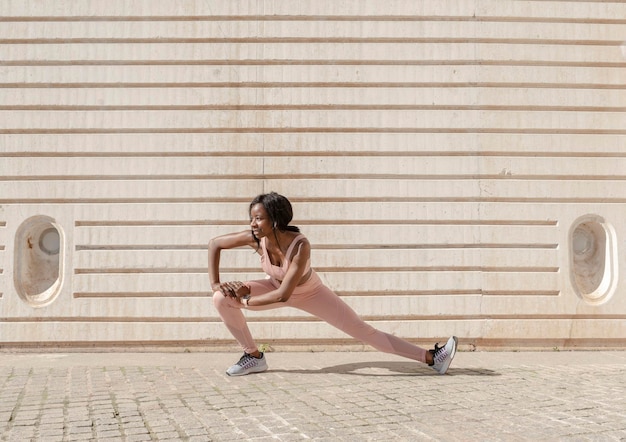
(245, 299)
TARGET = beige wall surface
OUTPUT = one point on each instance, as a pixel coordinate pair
(458, 166)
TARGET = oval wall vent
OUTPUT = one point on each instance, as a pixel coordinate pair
(38, 265)
(593, 258)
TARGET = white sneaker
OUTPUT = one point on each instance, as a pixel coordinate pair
(248, 364)
(442, 356)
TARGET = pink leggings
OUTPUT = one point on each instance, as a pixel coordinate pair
(315, 298)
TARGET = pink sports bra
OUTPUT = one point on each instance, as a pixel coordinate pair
(278, 272)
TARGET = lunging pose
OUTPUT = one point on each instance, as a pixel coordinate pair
(285, 258)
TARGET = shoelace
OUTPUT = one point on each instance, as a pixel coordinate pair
(246, 361)
(439, 354)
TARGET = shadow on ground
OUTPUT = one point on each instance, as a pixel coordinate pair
(389, 368)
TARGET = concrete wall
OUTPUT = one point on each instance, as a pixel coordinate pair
(459, 166)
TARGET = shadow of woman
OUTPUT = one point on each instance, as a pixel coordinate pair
(389, 368)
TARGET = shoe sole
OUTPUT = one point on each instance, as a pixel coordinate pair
(456, 342)
(250, 371)
(452, 353)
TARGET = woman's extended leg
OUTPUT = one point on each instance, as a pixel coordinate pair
(329, 307)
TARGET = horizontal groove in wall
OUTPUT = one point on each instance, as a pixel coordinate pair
(131, 295)
(129, 247)
(334, 269)
(150, 200)
(306, 40)
(343, 176)
(592, 344)
(314, 18)
(320, 62)
(321, 84)
(311, 130)
(302, 107)
(136, 223)
(338, 153)
(517, 293)
(139, 344)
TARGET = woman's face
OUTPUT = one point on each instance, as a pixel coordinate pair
(260, 222)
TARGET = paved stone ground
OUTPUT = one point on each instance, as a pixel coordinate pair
(578, 396)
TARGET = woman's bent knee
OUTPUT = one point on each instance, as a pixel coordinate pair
(218, 299)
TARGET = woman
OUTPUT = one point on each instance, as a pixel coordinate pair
(285, 258)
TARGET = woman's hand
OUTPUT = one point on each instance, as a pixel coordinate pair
(234, 289)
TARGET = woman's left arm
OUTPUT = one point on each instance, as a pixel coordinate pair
(294, 275)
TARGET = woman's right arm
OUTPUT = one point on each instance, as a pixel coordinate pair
(229, 241)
